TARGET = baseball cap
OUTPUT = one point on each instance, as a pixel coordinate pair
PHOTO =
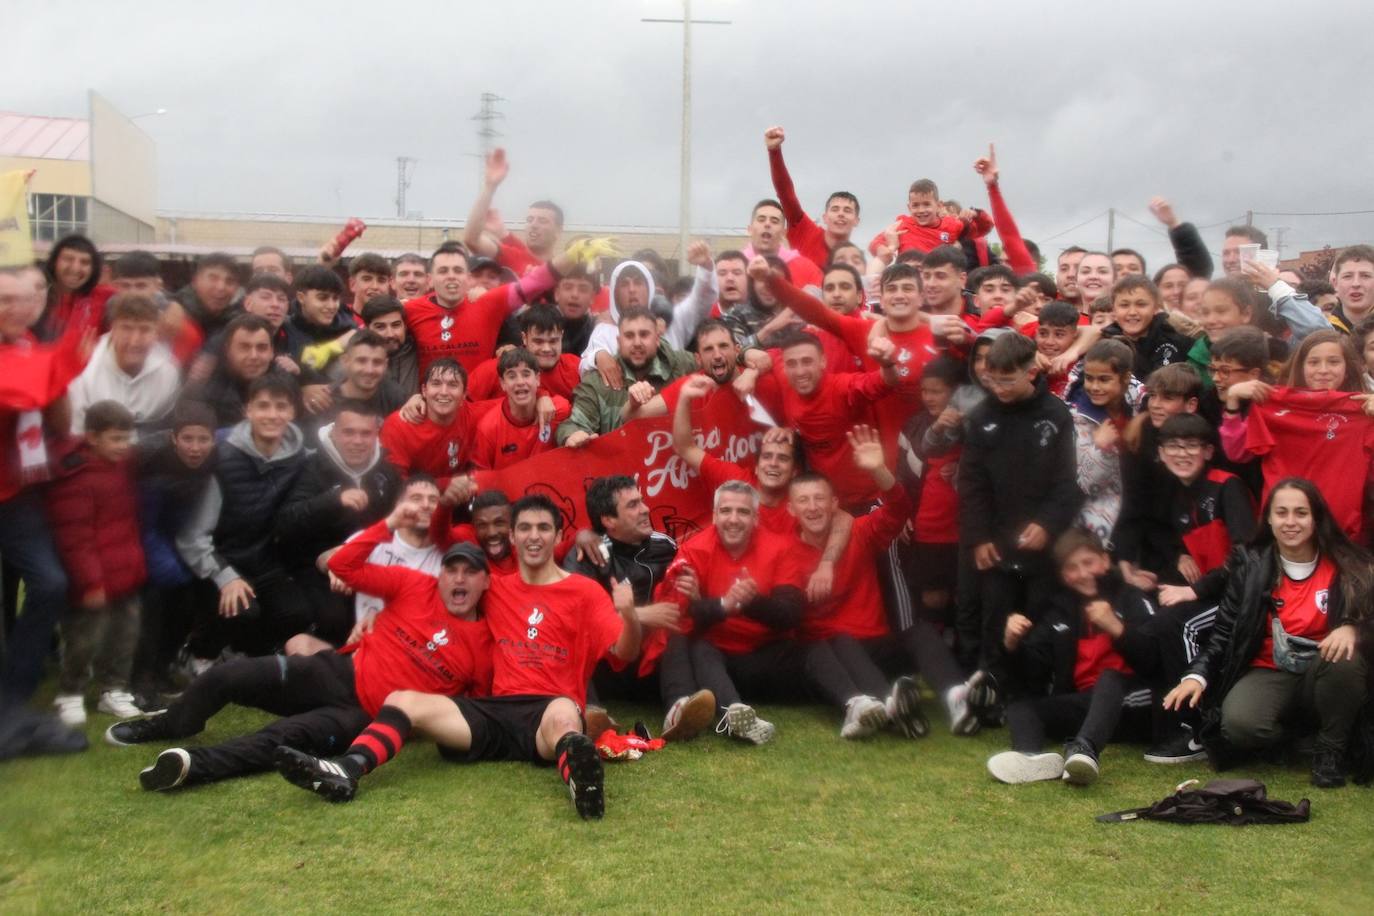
(466, 550)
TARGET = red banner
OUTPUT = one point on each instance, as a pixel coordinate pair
(642, 449)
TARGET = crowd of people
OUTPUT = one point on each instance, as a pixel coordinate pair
(1089, 504)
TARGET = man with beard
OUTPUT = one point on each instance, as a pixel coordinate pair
(247, 357)
(385, 316)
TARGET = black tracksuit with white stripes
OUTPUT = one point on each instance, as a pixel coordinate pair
(1050, 705)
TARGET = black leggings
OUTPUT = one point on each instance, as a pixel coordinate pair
(313, 693)
(672, 679)
(1094, 715)
(783, 670)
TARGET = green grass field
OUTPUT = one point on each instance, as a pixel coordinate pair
(810, 822)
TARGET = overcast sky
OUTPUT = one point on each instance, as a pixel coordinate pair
(303, 107)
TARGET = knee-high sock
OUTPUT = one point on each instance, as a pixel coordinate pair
(378, 743)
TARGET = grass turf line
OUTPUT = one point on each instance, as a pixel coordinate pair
(810, 822)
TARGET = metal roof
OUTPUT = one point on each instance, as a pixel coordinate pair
(37, 137)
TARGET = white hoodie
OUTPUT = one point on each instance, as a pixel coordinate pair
(149, 395)
(687, 314)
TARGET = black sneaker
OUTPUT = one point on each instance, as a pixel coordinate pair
(1181, 748)
(904, 708)
(323, 777)
(1328, 770)
(151, 702)
(984, 699)
(1080, 763)
(168, 771)
(580, 766)
(138, 731)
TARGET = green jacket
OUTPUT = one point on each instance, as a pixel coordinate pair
(596, 408)
(1201, 358)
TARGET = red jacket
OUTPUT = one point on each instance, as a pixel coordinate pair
(32, 376)
(93, 509)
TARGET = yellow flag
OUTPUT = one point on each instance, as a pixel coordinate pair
(16, 245)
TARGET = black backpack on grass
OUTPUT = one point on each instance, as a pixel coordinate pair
(1220, 801)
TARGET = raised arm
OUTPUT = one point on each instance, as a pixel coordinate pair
(694, 309)
(474, 234)
(684, 443)
(1014, 248)
(1189, 249)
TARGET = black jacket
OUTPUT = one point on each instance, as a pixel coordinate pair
(210, 324)
(251, 492)
(403, 367)
(222, 394)
(1190, 251)
(642, 564)
(1019, 466)
(1160, 346)
(311, 519)
(1045, 660)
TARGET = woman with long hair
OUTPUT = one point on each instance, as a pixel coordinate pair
(75, 293)
(1313, 424)
(1289, 637)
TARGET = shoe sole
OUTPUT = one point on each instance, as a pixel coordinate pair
(596, 721)
(1188, 758)
(694, 717)
(168, 771)
(742, 721)
(1016, 769)
(296, 769)
(1080, 770)
(586, 780)
(910, 719)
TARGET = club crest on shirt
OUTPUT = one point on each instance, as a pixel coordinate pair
(1047, 430)
(1323, 599)
(1333, 422)
(535, 619)
(944, 236)
(1167, 353)
(437, 640)
(453, 454)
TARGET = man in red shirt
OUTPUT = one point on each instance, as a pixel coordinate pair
(852, 619)
(841, 214)
(512, 432)
(440, 444)
(426, 637)
(541, 333)
(448, 323)
(484, 234)
(550, 628)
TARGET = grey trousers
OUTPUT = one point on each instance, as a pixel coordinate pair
(98, 644)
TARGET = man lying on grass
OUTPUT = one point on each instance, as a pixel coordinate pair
(426, 637)
(550, 628)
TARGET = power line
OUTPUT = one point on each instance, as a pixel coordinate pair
(1230, 220)
(1333, 213)
(1128, 216)
(1085, 222)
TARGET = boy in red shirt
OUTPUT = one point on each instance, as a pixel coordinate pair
(94, 513)
(512, 432)
(924, 227)
(441, 443)
(1080, 669)
(541, 333)
(549, 628)
(427, 636)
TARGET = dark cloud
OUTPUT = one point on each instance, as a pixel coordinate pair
(303, 107)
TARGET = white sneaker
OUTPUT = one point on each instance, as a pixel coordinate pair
(962, 719)
(688, 716)
(863, 716)
(119, 703)
(1014, 767)
(71, 709)
(740, 721)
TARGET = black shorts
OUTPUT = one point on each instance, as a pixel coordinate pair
(503, 728)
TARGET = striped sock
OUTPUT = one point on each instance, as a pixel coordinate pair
(560, 751)
(378, 743)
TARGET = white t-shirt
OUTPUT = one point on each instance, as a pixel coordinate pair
(397, 552)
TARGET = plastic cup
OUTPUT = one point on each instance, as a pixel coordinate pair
(1268, 257)
(1248, 252)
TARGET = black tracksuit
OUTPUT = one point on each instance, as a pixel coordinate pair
(1019, 466)
(1050, 703)
(1160, 346)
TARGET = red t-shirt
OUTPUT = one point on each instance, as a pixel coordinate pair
(948, 231)
(855, 605)
(439, 451)
(1324, 436)
(1096, 654)
(484, 384)
(515, 254)
(1302, 610)
(772, 561)
(823, 419)
(714, 472)
(466, 333)
(501, 441)
(415, 644)
(937, 514)
(549, 638)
